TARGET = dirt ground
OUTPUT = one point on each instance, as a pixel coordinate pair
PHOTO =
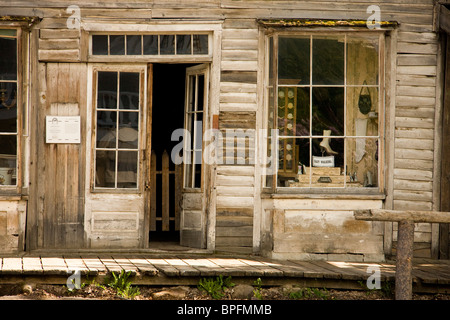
(95, 291)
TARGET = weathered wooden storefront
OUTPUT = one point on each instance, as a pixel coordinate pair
(230, 126)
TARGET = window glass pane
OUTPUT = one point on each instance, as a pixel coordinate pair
(293, 60)
(188, 169)
(328, 111)
(362, 162)
(8, 155)
(167, 44)
(8, 32)
(362, 60)
(150, 44)
(100, 44)
(183, 44)
(106, 129)
(328, 61)
(107, 90)
(198, 176)
(327, 167)
(362, 111)
(127, 169)
(134, 45)
(200, 43)
(105, 166)
(294, 159)
(293, 111)
(129, 90)
(117, 45)
(8, 107)
(271, 68)
(8, 59)
(128, 130)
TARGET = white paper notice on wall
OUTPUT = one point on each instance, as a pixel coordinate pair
(62, 129)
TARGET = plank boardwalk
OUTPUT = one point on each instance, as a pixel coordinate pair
(428, 275)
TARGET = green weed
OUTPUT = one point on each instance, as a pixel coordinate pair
(215, 287)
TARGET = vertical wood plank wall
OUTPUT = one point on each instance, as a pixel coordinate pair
(56, 208)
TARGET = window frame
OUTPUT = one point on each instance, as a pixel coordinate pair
(22, 130)
(271, 65)
(142, 70)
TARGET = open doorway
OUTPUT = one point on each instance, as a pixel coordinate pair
(168, 103)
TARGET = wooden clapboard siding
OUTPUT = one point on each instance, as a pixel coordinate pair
(414, 128)
(57, 187)
(234, 208)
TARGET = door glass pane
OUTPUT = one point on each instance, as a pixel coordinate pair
(134, 45)
(127, 169)
(200, 43)
(128, 130)
(116, 45)
(106, 129)
(8, 107)
(150, 44)
(100, 44)
(105, 165)
(293, 60)
(8, 59)
(328, 111)
(107, 90)
(328, 61)
(129, 90)
(167, 44)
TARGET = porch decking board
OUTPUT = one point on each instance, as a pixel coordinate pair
(12, 265)
(143, 266)
(164, 267)
(54, 265)
(32, 265)
(427, 274)
(110, 264)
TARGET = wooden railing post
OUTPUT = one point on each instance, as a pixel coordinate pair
(403, 276)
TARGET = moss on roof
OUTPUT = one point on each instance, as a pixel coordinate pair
(322, 23)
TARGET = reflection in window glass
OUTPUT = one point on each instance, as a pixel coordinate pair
(183, 44)
(117, 45)
(8, 107)
(150, 44)
(328, 110)
(107, 90)
(117, 130)
(9, 100)
(105, 167)
(134, 45)
(293, 60)
(127, 169)
(99, 44)
(167, 44)
(200, 44)
(129, 90)
(8, 59)
(328, 61)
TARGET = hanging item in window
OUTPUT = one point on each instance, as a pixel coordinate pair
(365, 101)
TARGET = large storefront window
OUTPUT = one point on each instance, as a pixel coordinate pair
(324, 104)
(8, 106)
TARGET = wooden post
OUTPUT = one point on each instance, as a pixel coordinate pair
(403, 277)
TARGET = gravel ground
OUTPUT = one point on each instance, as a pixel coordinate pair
(288, 292)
